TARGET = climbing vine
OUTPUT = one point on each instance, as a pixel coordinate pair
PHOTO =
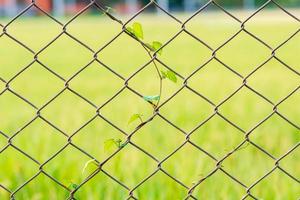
(155, 47)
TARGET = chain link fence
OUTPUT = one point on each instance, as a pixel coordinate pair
(189, 189)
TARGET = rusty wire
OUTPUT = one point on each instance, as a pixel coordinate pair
(185, 85)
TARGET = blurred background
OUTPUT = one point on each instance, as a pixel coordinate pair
(38, 55)
(67, 7)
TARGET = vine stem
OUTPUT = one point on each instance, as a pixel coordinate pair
(156, 68)
(160, 78)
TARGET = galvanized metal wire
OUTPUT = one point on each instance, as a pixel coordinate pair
(214, 51)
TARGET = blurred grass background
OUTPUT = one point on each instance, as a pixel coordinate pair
(186, 110)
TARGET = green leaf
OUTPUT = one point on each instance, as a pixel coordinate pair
(135, 117)
(171, 76)
(130, 30)
(123, 145)
(138, 30)
(73, 186)
(157, 45)
(163, 74)
(149, 46)
(118, 142)
(109, 144)
(151, 98)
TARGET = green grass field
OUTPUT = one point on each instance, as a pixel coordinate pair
(187, 110)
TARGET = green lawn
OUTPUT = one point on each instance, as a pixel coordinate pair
(186, 110)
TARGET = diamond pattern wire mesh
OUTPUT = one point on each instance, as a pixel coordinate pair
(97, 108)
